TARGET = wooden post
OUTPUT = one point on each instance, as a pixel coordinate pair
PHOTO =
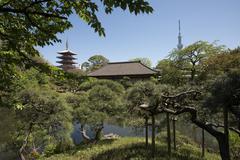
(153, 136)
(168, 135)
(203, 143)
(239, 124)
(226, 132)
(174, 133)
(146, 130)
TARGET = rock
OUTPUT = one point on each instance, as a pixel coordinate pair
(111, 136)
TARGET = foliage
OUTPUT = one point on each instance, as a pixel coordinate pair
(130, 148)
(220, 64)
(234, 145)
(170, 73)
(94, 63)
(190, 57)
(98, 101)
(226, 92)
(40, 113)
(30, 21)
(146, 61)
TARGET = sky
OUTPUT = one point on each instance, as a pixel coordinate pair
(152, 35)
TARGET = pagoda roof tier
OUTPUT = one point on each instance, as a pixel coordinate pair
(67, 67)
(66, 52)
(64, 66)
(66, 57)
(66, 62)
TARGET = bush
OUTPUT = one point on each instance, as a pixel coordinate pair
(235, 146)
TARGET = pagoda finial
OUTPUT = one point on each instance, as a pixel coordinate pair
(67, 44)
(180, 45)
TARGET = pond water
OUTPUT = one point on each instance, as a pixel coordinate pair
(109, 128)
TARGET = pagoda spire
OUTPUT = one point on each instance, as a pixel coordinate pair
(180, 45)
(67, 44)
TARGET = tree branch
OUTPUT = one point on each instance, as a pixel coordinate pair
(25, 11)
(222, 126)
(37, 2)
(204, 125)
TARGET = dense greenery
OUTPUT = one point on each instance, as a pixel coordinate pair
(40, 103)
(132, 148)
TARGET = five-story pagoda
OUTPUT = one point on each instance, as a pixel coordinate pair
(66, 59)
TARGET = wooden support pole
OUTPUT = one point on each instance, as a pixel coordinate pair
(153, 136)
(146, 130)
(174, 133)
(203, 143)
(168, 135)
(226, 132)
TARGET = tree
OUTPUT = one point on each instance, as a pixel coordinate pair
(170, 73)
(220, 64)
(144, 99)
(177, 104)
(99, 101)
(28, 23)
(190, 57)
(94, 63)
(38, 110)
(146, 61)
(97, 61)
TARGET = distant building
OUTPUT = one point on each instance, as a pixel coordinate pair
(118, 70)
(66, 59)
(180, 45)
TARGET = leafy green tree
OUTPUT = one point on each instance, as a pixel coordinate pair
(170, 73)
(94, 63)
(29, 23)
(146, 61)
(99, 101)
(220, 64)
(191, 57)
(144, 99)
(38, 110)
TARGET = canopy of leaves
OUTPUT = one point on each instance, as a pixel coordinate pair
(98, 101)
(28, 23)
(192, 56)
(170, 73)
(225, 92)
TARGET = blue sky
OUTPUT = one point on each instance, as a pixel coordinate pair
(155, 35)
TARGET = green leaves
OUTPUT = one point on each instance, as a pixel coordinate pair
(35, 23)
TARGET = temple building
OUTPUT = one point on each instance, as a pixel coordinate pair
(66, 59)
(118, 70)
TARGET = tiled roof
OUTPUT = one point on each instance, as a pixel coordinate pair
(123, 69)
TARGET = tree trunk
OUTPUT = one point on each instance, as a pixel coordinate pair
(226, 131)
(174, 134)
(238, 125)
(153, 136)
(203, 143)
(86, 138)
(168, 135)
(25, 142)
(98, 132)
(222, 143)
(221, 137)
(146, 130)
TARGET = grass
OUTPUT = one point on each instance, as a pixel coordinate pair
(131, 148)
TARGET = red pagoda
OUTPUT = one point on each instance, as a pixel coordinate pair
(66, 59)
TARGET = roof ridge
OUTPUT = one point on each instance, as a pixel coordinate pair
(121, 62)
